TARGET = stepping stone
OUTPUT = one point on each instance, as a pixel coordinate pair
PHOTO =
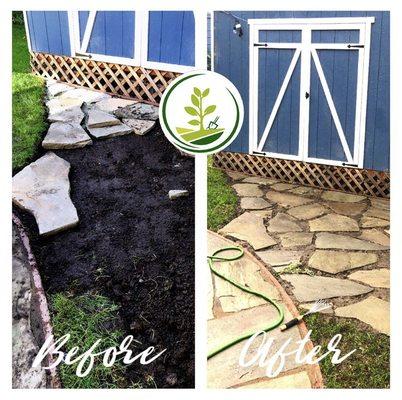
(287, 199)
(377, 213)
(283, 186)
(305, 190)
(308, 211)
(333, 223)
(57, 88)
(65, 136)
(334, 262)
(111, 104)
(342, 197)
(250, 228)
(298, 380)
(235, 175)
(110, 131)
(283, 223)
(43, 189)
(370, 222)
(58, 105)
(73, 115)
(253, 203)
(380, 203)
(262, 213)
(84, 95)
(333, 241)
(378, 278)
(295, 239)
(100, 119)
(138, 111)
(140, 126)
(307, 306)
(259, 180)
(350, 209)
(247, 190)
(276, 258)
(375, 236)
(311, 288)
(372, 311)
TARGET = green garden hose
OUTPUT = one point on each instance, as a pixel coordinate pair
(272, 325)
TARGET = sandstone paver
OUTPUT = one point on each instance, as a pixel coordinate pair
(84, 95)
(262, 213)
(350, 209)
(336, 261)
(110, 131)
(100, 119)
(139, 126)
(280, 257)
(280, 187)
(342, 197)
(295, 239)
(111, 104)
(326, 240)
(308, 211)
(375, 236)
(380, 203)
(72, 115)
(306, 190)
(370, 222)
(254, 203)
(334, 223)
(287, 199)
(259, 180)
(374, 277)
(283, 223)
(236, 175)
(372, 311)
(377, 213)
(247, 190)
(58, 105)
(63, 135)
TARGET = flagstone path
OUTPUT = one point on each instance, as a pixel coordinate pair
(231, 312)
(77, 116)
(321, 244)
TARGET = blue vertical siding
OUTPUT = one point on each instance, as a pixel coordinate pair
(171, 37)
(231, 59)
(48, 31)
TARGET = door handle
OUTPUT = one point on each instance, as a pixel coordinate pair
(307, 95)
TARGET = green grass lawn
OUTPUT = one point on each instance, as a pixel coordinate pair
(29, 113)
(222, 200)
(88, 318)
(367, 367)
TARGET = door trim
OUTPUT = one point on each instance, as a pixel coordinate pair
(309, 56)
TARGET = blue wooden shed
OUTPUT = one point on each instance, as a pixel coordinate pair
(316, 90)
(130, 53)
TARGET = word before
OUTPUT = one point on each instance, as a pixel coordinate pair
(86, 360)
(260, 355)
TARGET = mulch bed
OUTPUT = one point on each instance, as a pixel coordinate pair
(132, 244)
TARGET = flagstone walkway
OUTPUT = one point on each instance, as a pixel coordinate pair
(232, 312)
(321, 244)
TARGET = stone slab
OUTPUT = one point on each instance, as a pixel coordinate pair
(250, 228)
(254, 203)
(58, 88)
(297, 380)
(58, 105)
(380, 203)
(377, 213)
(110, 131)
(43, 189)
(307, 191)
(341, 197)
(287, 199)
(277, 258)
(84, 95)
(111, 104)
(139, 126)
(334, 262)
(245, 271)
(262, 213)
(72, 115)
(326, 240)
(247, 190)
(378, 278)
(372, 311)
(349, 209)
(235, 175)
(295, 239)
(100, 119)
(283, 223)
(311, 288)
(370, 222)
(63, 135)
(308, 211)
(375, 236)
(138, 111)
(333, 223)
(280, 187)
(259, 180)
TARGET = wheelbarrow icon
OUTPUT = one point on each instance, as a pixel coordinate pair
(213, 124)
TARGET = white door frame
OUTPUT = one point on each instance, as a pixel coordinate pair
(79, 49)
(307, 51)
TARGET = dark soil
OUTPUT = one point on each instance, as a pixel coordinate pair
(133, 245)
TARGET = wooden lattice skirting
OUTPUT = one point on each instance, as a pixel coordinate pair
(353, 180)
(125, 81)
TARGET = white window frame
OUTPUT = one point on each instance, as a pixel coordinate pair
(140, 43)
(308, 57)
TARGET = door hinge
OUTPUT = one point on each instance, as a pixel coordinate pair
(355, 46)
(260, 44)
(349, 165)
(260, 153)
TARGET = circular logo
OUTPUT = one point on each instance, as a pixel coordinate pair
(201, 112)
